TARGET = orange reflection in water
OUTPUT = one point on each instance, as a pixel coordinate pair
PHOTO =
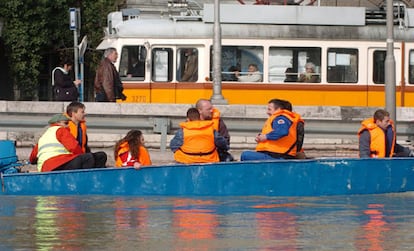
(374, 231)
(194, 224)
(277, 226)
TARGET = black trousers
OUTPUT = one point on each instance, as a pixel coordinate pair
(83, 161)
(100, 159)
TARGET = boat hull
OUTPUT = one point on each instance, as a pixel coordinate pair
(315, 177)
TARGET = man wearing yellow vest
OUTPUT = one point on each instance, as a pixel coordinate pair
(77, 126)
(208, 112)
(58, 150)
(377, 138)
(278, 139)
(197, 141)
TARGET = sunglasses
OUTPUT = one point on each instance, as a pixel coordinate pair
(64, 122)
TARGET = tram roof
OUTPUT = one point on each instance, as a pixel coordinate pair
(258, 22)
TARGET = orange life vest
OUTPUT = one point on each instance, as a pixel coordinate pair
(377, 145)
(74, 131)
(216, 119)
(285, 145)
(143, 158)
(198, 143)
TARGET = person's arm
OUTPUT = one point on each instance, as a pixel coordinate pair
(220, 142)
(300, 136)
(364, 144)
(280, 127)
(64, 136)
(108, 80)
(223, 131)
(177, 141)
(33, 155)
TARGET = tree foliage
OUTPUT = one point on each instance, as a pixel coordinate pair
(35, 29)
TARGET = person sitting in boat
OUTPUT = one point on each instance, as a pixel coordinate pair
(377, 138)
(130, 151)
(197, 141)
(77, 127)
(278, 139)
(300, 131)
(58, 150)
(208, 112)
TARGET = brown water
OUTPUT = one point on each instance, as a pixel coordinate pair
(369, 222)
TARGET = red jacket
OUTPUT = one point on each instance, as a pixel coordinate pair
(68, 141)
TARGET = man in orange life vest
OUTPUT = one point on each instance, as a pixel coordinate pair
(208, 112)
(197, 141)
(75, 111)
(377, 138)
(278, 139)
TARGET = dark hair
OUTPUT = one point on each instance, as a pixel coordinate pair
(67, 61)
(282, 104)
(133, 138)
(380, 114)
(74, 107)
(193, 114)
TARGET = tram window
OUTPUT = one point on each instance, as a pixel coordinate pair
(187, 64)
(132, 63)
(240, 63)
(288, 64)
(411, 68)
(162, 61)
(379, 67)
(342, 65)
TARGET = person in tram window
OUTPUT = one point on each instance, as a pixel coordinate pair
(209, 112)
(310, 75)
(190, 73)
(77, 127)
(196, 141)
(377, 138)
(131, 151)
(278, 138)
(58, 150)
(253, 74)
(137, 68)
(291, 75)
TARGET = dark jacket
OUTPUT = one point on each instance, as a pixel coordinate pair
(107, 84)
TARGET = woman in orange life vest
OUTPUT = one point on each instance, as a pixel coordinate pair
(197, 141)
(130, 151)
(377, 138)
(278, 139)
(75, 111)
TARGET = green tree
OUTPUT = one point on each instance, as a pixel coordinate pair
(37, 29)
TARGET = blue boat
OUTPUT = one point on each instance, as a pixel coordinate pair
(314, 177)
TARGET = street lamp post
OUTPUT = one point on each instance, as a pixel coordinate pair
(217, 97)
(390, 64)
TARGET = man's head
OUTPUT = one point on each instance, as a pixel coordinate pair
(382, 118)
(275, 105)
(252, 68)
(205, 108)
(193, 114)
(111, 54)
(59, 119)
(76, 112)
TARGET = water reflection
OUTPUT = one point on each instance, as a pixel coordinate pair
(237, 223)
